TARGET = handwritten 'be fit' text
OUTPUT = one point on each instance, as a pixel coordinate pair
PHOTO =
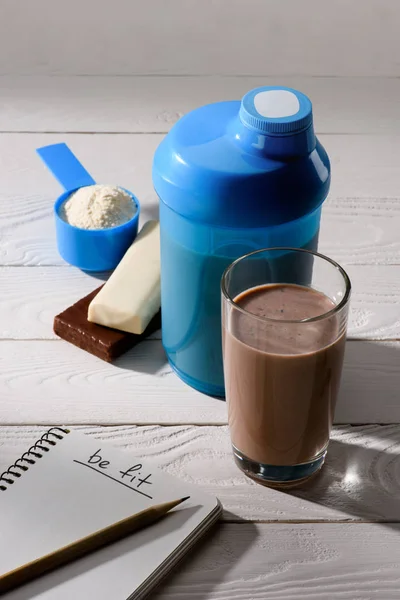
(131, 477)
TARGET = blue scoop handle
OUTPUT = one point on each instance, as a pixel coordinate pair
(65, 167)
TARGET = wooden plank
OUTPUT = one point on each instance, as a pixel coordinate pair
(54, 382)
(191, 37)
(359, 230)
(359, 481)
(360, 219)
(32, 297)
(154, 104)
(290, 562)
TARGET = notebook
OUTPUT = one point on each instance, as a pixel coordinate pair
(69, 485)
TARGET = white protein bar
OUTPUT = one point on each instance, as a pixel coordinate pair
(132, 295)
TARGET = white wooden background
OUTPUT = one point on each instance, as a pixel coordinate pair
(110, 79)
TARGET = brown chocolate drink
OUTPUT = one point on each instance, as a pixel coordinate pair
(282, 378)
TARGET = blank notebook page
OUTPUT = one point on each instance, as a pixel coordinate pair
(78, 487)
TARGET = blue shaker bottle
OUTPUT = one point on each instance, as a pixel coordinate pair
(232, 177)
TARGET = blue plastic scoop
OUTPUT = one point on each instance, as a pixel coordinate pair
(65, 167)
(88, 249)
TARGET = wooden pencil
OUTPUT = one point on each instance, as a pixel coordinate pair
(85, 545)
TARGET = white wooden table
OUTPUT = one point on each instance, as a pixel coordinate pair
(338, 537)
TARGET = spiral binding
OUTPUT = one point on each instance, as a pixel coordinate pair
(32, 455)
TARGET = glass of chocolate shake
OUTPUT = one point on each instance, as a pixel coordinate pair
(284, 320)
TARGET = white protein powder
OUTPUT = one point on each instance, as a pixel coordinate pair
(98, 207)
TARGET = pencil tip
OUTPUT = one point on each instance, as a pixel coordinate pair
(185, 498)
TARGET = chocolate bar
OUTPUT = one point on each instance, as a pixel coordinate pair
(105, 343)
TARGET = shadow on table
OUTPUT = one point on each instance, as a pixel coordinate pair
(362, 482)
(149, 209)
(370, 388)
(208, 564)
(147, 357)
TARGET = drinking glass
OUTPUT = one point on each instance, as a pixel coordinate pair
(284, 320)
